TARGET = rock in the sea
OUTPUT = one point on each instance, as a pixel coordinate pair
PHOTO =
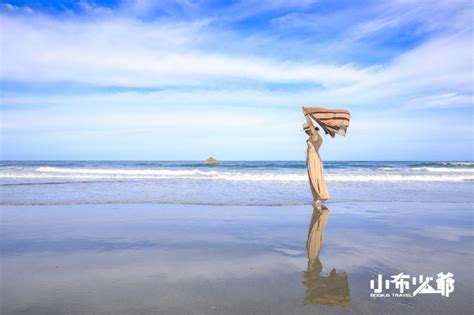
(211, 160)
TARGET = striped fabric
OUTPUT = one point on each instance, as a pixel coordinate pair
(331, 120)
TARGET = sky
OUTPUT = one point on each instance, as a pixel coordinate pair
(187, 79)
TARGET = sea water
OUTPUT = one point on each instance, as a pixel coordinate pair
(269, 183)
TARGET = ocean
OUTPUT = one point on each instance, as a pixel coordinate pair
(242, 183)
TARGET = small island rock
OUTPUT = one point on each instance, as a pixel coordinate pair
(211, 160)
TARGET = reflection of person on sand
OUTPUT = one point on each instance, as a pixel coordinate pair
(328, 290)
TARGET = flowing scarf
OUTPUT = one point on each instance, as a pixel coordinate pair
(331, 120)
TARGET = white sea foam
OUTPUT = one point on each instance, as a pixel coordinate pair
(195, 174)
(443, 169)
(401, 178)
(105, 171)
(426, 169)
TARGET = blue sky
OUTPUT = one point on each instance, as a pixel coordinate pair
(182, 80)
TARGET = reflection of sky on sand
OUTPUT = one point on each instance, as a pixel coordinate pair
(200, 259)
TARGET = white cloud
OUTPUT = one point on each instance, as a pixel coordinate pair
(198, 78)
(233, 124)
(130, 53)
(416, 17)
(16, 9)
(125, 52)
(442, 66)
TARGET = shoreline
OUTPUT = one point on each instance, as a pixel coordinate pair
(229, 205)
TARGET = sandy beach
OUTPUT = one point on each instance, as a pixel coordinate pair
(191, 259)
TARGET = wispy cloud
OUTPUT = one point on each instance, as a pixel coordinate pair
(131, 53)
(417, 17)
(249, 63)
(8, 7)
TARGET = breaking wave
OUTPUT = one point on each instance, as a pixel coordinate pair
(420, 174)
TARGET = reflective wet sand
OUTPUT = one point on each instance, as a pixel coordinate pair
(173, 259)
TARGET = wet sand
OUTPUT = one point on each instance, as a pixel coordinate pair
(183, 259)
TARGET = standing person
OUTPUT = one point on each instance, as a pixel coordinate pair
(314, 163)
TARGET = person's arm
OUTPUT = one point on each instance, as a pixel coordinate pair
(311, 126)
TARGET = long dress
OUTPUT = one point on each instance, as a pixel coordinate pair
(315, 169)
